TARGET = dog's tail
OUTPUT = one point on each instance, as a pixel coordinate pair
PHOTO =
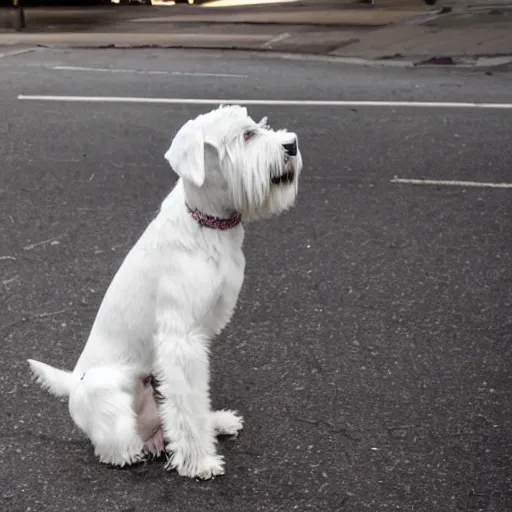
(57, 382)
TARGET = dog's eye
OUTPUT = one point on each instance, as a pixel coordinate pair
(248, 135)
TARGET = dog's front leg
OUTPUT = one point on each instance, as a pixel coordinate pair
(183, 371)
(182, 368)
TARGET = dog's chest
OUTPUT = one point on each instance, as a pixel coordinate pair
(231, 270)
(230, 265)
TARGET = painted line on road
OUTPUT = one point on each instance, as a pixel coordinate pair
(276, 39)
(451, 183)
(142, 72)
(17, 52)
(297, 103)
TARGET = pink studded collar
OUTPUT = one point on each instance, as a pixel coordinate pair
(209, 221)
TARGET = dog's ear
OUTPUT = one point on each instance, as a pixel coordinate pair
(186, 154)
(263, 122)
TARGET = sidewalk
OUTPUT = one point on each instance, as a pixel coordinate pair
(404, 30)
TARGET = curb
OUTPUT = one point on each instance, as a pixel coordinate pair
(476, 62)
(464, 62)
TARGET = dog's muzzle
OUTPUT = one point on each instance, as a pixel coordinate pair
(289, 174)
(291, 149)
(286, 177)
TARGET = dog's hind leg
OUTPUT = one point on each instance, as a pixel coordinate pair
(102, 405)
(149, 424)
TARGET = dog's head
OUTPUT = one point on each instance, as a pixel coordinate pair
(244, 166)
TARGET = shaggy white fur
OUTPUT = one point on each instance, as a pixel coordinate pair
(175, 291)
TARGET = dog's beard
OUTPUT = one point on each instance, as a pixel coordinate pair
(268, 182)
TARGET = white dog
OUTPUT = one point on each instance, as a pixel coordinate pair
(176, 290)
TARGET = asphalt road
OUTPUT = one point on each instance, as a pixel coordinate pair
(371, 350)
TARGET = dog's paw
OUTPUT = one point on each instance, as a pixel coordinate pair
(210, 467)
(120, 456)
(204, 469)
(227, 423)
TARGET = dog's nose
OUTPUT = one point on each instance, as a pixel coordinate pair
(291, 148)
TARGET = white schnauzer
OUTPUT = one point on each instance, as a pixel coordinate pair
(141, 384)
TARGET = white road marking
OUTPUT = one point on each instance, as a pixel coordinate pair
(451, 183)
(215, 75)
(297, 103)
(142, 72)
(17, 52)
(277, 39)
